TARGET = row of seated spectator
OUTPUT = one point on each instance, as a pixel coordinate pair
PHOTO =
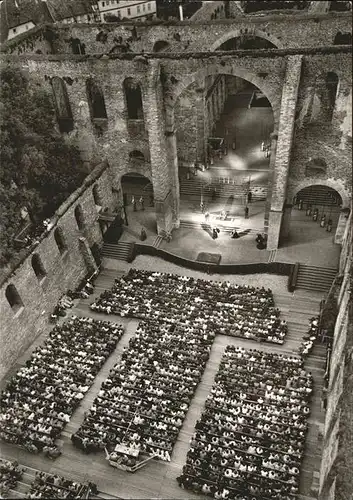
(55, 486)
(309, 339)
(249, 441)
(10, 473)
(237, 310)
(40, 398)
(143, 402)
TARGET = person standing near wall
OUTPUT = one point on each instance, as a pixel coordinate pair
(246, 212)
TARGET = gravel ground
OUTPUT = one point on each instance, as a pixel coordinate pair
(278, 284)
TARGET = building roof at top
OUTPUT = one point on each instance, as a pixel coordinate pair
(17, 12)
(63, 9)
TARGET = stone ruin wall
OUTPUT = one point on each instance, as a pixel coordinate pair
(63, 271)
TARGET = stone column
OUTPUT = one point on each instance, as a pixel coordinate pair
(200, 104)
(164, 175)
(174, 173)
(285, 226)
(284, 146)
(341, 228)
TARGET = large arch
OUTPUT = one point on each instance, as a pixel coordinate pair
(236, 33)
(233, 70)
(250, 155)
(334, 184)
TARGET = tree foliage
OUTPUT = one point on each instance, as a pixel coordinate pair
(39, 169)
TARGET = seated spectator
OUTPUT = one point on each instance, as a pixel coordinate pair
(40, 399)
(250, 438)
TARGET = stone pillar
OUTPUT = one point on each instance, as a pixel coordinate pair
(163, 181)
(285, 226)
(341, 228)
(87, 255)
(200, 104)
(284, 146)
(174, 172)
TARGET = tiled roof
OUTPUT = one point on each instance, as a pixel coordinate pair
(16, 12)
(63, 9)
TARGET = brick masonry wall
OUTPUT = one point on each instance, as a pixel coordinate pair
(311, 30)
(336, 383)
(328, 141)
(186, 126)
(63, 272)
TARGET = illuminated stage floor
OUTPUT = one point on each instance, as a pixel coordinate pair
(308, 243)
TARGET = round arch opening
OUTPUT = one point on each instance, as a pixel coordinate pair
(138, 203)
(312, 218)
(247, 42)
(224, 148)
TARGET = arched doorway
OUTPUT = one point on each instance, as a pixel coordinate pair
(138, 199)
(312, 219)
(224, 149)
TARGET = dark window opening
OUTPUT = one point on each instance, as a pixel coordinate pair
(136, 155)
(80, 221)
(160, 46)
(247, 42)
(59, 240)
(96, 254)
(77, 46)
(96, 196)
(343, 39)
(97, 107)
(340, 6)
(13, 298)
(331, 81)
(62, 105)
(38, 267)
(133, 96)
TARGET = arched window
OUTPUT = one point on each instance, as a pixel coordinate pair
(80, 220)
(331, 82)
(62, 105)
(95, 100)
(13, 298)
(136, 155)
(60, 240)
(160, 46)
(96, 195)
(38, 267)
(133, 97)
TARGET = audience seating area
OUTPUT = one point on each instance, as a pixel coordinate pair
(39, 400)
(143, 402)
(42, 485)
(237, 310)
(55, 486)
(249, 441)
(10, 474)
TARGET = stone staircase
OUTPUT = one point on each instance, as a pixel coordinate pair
(319, 195)
(119, 251)
(224, 186)
(315, 278)
(157, 242)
